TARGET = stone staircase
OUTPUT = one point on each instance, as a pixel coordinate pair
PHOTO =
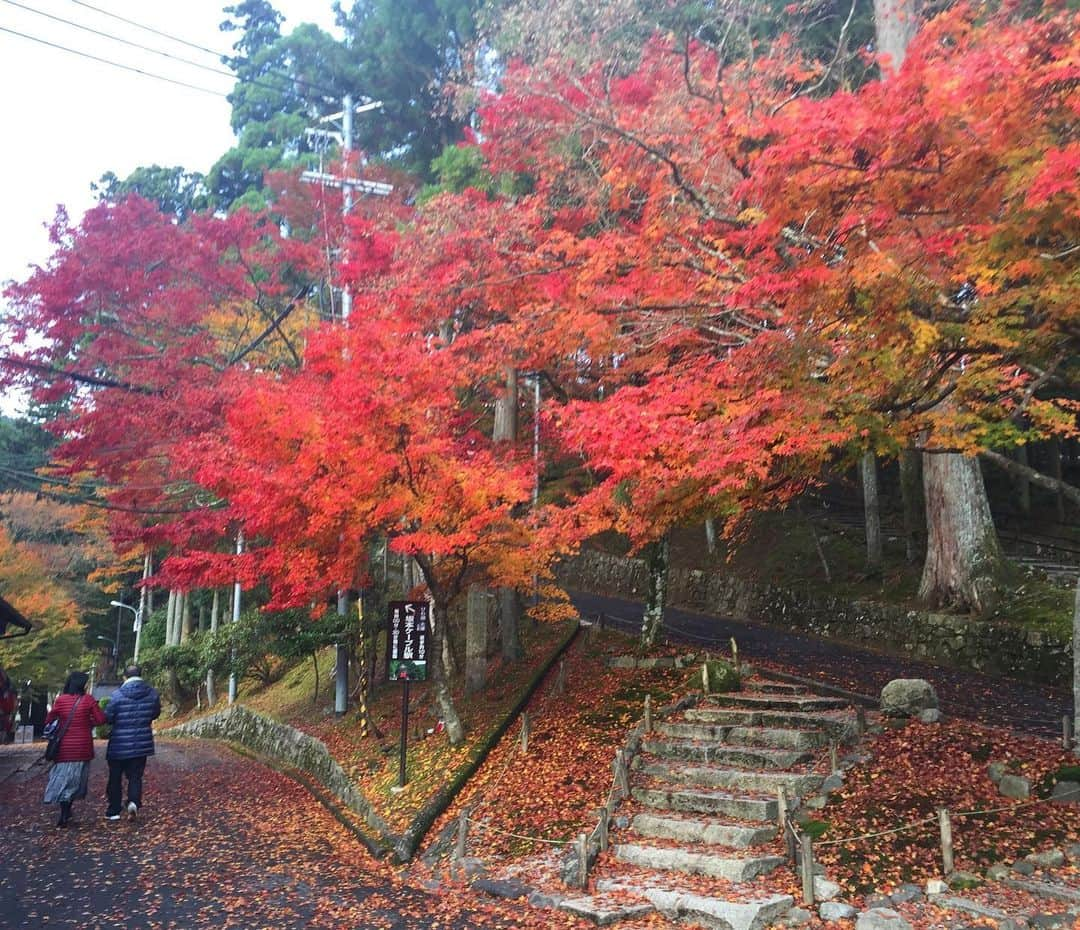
(698, 838)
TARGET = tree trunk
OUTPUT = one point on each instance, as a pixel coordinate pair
(895, 25)
(710, 535)
(1021, 485)
(476, 624)
(170, 619)
(652, 621)
(506, 410)
(963, 560)
(455, 730)
(510, 624)
(215, 620)
(1055, 470)
(872, 511)
(315, 662)
(1076, 660)
(185, 617)
(914, 509)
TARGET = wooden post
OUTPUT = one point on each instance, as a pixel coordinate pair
(1066, 732)
(622, 777)
(807, 869)
(734, 653)
(860, 720)
(582, 845)
(781, 809)
(705, 678)
(833, 762)
(524, 731)
(462, 835)
(560, 679)
(648, 713)
(602, 813)
(600, 620)
(946, 840)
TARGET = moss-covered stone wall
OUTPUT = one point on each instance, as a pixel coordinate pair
(994, 648)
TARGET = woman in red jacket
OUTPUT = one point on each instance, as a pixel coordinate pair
(69, 775)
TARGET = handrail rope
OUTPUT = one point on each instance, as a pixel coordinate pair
(867, 836)
(915, 823)
(485, 793)
(534, 839)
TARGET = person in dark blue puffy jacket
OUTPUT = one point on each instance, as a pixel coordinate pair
(131, 709)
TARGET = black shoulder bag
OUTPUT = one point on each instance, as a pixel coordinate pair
(52, 747)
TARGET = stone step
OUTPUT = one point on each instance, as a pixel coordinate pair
(837, 727)
(1044, 889)
(696, 863)
(706, 832)
(707, 776)
(764, 758)
(778, 738)
(791, 702)
(713, 913)
(708, 802)
(604, 912)
(779, 687)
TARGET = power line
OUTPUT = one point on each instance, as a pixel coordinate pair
(152, 51)
(121, 40)
(209, 51)
(114, 64)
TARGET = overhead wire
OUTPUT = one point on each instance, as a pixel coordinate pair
(159, 52)
(114, 64)
(209, 51)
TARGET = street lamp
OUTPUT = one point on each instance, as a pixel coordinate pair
(116, 652)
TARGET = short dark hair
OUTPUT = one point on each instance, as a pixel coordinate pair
(76, 683)
(133, 671)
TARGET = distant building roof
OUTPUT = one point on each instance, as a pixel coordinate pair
(9, 616)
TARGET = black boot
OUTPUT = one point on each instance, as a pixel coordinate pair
(65, 814)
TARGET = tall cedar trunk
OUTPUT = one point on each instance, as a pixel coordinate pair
(455, 731)
(1076, 659)
(710, 535)
(170, 618)
(895, 24)
(506, 430)
(510, 624)
(652, 620)
(215, 620)
(914, 509)
(1021, 485)
(872, 511)
(963, 560)
(1055, 470)
(476, 629)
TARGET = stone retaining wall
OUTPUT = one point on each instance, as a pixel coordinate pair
(995, 648)
(287, 745)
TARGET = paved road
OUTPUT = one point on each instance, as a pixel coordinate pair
(969, 695)
(222, 842)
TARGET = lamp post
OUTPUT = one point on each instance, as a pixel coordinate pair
(136, 626)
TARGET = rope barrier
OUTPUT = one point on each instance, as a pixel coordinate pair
(532, 839)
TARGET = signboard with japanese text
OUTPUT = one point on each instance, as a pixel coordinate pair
(407, 634)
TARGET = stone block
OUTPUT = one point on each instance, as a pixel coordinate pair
(1048, 858)
(906, 893)
(1066, 791)
(930, 715)
(1015, 786)
(881, 918)
(510, 889)
(936, 886)
(997, 871)
(907, 697)
(796, 917)
(836, 910)
(1024, 867)
(996, 771)
(825, 890)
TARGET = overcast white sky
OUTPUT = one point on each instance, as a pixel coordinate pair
(67, 119)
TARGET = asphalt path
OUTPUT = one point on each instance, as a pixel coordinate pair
(965, 694)
(221, 842)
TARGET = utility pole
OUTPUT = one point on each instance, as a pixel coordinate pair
(347, 185)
